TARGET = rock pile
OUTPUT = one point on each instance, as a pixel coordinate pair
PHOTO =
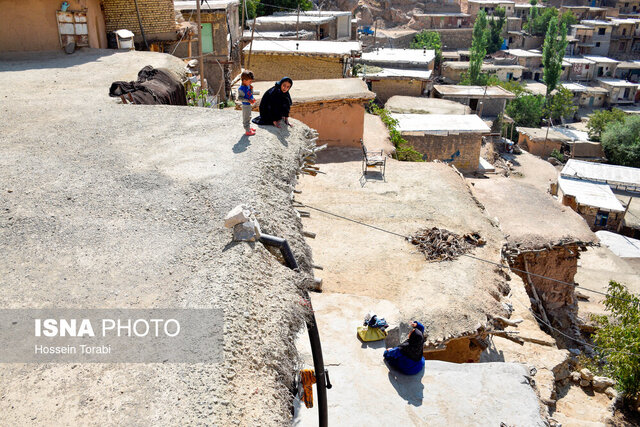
(586, 379)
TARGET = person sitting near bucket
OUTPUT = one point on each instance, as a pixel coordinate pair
(407, 357)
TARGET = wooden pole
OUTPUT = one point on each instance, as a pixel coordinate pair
(298, 23)
(253, 29)
(244, 11)
(375, 33)
(200, 40)
(623, 215)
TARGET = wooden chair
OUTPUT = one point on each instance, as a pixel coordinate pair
(373, 159)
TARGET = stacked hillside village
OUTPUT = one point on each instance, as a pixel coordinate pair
(515, 304)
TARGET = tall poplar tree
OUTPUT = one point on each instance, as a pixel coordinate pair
(553, 54)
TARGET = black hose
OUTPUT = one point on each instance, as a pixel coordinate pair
(312, 328)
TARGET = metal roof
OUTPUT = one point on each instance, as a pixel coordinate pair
(622, 246)
(618, 176)
(391, 56)
(473, 91)
(590, 193)
(295, 47)
(441, 123)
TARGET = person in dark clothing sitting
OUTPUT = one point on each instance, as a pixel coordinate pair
(275, 104)
(407, 357)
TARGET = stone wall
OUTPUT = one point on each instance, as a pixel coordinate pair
(463, 148)
(459, 38)
(386, 88)
(268, 67)
(589, 214)
(157, 16)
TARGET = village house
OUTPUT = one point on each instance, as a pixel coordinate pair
(629, 71)
(333, 107)
(578, 68)
(603, 66)
(85, 23)
(157, 17)
(626, 7)
(594, 201)
(450, 138)
(489, 6)
(453, 71)
(622, 36)
(420, 105)
(585, 12)
(530, 60)
(586, 96)
(416, 59)
(540, 141)
(300, 59)
(398, 71)
(327, 25)
(486, 101)
(621, 180)
(397, 81)
(522, 10)
(440, 20)
(620, 91)
(583, 34)
(220, 42)
(601, 36)
(522, 40)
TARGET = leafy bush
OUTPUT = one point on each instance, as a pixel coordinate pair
(526, 110)
(600, 119)
(561, 104)
(430, 40)
(557, 155)
(619, 339)
(621, 142)
(404, 151)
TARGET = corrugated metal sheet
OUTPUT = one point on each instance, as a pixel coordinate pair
(617, 176)
(590, 193)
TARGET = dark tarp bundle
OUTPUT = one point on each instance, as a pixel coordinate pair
(275, 104)
(154, 86)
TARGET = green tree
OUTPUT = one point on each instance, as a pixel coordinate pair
(599, 120)
(619, 339)
(561, 104)
(621, 142)
(430, 40)
(273, 6)
(538, 22)
(478, 48)
(568, 19)
(496, 25)
(553, 54)
(252, 6)
(526, 110)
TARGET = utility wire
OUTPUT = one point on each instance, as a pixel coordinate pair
(573, 285)
(499, 265)
(607, 349)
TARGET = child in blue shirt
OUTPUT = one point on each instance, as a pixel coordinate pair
(245, 94)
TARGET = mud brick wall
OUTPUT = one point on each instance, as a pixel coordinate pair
(440, 147)
(339, 124)
(458, 38)
(273, 67)
(386, 88)
(157, 16)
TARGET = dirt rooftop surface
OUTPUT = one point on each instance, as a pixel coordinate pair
(305, 91)
(104, 205)
(451, 298)
(529, 216)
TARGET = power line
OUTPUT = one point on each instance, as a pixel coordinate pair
(573, 285)
(572, 338)
(499, 265)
